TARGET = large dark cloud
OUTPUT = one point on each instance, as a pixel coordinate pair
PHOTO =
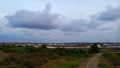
(110, 14)
(47, 21)
(37, 20)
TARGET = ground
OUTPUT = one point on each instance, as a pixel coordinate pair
(91, 62)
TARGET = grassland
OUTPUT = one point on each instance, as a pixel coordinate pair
(42, 57)
(108, 60)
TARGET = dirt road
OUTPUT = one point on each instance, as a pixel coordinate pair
(93, 62)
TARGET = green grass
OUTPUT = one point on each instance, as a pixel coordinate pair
(105, 65)
(45, 58)
(68, 64)
(108, 59)
(112, 57)
(63, 63)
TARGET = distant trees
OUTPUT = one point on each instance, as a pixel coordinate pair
(94, 48)
(43, 46)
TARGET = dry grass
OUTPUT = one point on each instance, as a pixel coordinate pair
(2, 55)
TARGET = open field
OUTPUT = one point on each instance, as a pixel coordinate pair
(31, 57)
(43, 57)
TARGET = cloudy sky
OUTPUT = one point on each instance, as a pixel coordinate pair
(60, 21)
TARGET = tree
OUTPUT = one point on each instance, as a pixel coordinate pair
(94, 48)
(43, 46)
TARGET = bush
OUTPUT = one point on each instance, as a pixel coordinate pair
(94, 49)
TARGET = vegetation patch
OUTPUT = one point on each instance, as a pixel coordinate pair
(105, 65)
(42, 57)
(70, 64)
(108, 59)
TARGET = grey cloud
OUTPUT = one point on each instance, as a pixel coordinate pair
(36, 20)
(47, 8)
(47, 21)
(81, 25)
(77, 25)
(98, 19)
(110, 14)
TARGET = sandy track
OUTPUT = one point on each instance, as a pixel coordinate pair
(93, 62)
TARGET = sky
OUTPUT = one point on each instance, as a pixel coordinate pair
(47, 21)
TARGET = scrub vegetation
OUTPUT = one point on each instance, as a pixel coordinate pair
(41, 57)
(108, 60)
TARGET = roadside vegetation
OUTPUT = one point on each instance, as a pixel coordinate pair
(41, 57)
(108, 60)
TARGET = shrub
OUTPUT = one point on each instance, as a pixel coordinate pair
(94, 49)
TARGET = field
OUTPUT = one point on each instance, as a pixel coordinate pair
(42, 57)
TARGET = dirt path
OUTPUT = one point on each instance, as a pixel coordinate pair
(91, 62)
